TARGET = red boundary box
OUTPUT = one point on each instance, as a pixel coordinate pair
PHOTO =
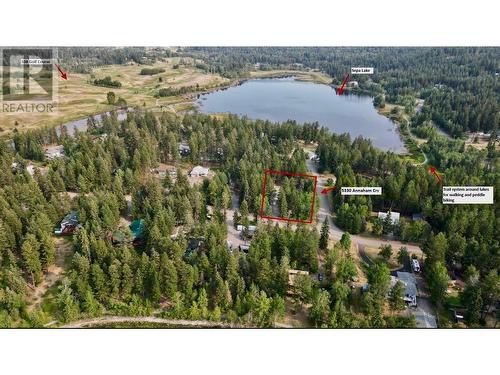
(261, 212)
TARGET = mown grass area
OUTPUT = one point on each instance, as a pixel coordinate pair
(78, 97)
(308, 76)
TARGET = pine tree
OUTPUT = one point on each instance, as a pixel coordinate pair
(203, 303)
(168, 276)
(325, 233)
(99, 282)
(31, 256)
(91, 306)
(127, 281)
(345, 241)
(244, 213)
(115, 278)
(397, 302)
(47, 250)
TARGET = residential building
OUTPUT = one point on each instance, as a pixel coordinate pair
(199, 171)
(394, 216)
(68, 224)
(54, 152)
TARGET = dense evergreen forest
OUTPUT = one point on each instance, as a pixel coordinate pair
(460, 86)
(212, 282)
(83, 59)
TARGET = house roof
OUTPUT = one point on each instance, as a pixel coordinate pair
(71, 218)
(199, 170)
(408, 279)
(54, 151)
(137, 228)
(418, 216)
(394, 216)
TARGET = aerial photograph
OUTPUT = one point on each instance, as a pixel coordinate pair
(250, 187)
(220, 187)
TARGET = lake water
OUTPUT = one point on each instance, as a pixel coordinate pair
(281, 99)
(81, 124)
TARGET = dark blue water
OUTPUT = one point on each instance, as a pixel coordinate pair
(281, 99)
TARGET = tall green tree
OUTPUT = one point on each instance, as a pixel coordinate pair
(31, 256)
(325, 233)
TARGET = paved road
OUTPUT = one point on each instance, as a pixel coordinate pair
(336, 232)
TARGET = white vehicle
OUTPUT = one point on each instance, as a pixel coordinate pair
(415, 265)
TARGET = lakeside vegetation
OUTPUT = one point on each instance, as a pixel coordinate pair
(459, 85)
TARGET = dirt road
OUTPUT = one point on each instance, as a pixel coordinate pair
(147, 319)
(233, 236)
(53, 274)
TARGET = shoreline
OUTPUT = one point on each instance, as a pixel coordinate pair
(191, 98)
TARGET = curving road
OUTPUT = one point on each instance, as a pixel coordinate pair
(336, 232)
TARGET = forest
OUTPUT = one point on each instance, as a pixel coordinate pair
(460, 86)
(211, 282)
(105, 176)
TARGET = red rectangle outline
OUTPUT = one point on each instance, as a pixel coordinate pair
(268, 171)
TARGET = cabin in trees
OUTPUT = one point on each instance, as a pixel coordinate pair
(68, 224)
(199, 171)
(194, 244)
(410, 284)
(137, 229)
(136, 235)
(54, 152)
(394, 216)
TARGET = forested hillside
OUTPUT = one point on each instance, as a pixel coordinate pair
(461, 86)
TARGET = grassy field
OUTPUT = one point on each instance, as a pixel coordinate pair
(78, 97)
(308, 76)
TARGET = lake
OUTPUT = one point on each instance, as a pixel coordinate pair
(81, 124)
(281, 99)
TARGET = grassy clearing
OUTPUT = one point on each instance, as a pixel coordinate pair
(78, 97)
(373, 254)
(307, 76)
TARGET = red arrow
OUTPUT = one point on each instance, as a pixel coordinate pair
(327, 189)
(63, 74)
(340, 90)
(433, 171)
